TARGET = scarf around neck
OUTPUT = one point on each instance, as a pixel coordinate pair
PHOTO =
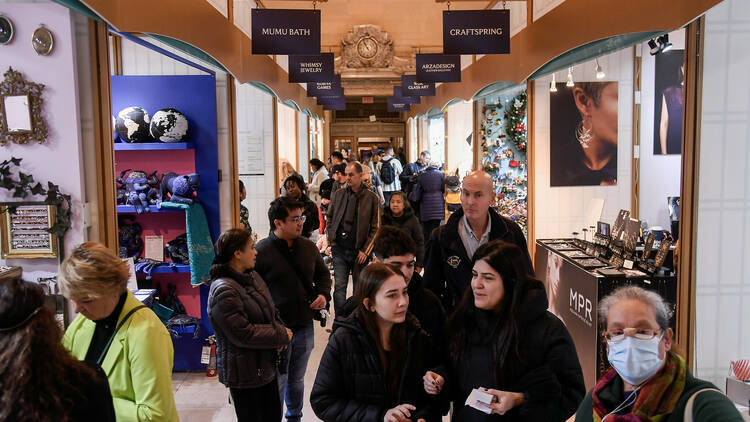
(656, 400)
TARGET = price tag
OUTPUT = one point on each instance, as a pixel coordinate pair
(628, 264)
(205, 355)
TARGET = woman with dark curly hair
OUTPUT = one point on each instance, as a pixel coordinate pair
(39, 380)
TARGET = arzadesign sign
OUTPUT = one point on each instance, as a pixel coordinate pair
(438, 68)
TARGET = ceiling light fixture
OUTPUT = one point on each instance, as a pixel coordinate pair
(599, 72)
(570, 83)
(665, 44)
(553, 84)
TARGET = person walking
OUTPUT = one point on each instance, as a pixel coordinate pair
(249, 333)
(353, 220)
(300, 285)
(450, 248)
(389, 170)
(320, 174)
(399, 214)
(502, 339)
(412, 170)
(429, 193)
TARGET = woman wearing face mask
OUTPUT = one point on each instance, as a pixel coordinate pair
(647, 381)
(503, 339)
(248, 331)
(373, 364)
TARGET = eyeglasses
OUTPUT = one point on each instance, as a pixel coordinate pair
(618, 335)
(300, 219)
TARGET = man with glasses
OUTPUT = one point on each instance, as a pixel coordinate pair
(353, 219)
(300, 285)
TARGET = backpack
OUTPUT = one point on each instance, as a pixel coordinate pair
(387, 174)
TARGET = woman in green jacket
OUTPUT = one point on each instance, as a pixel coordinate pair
(647, 381)
(114, 330)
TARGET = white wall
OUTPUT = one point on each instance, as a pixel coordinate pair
(303, 140)
(436, 137)
(460, 124)
(559, 211)
(660, 175)
(723, 254)
(255, 132)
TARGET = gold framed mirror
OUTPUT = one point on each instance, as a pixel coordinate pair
(21, 119)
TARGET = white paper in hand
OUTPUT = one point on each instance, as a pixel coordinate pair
(480, 400)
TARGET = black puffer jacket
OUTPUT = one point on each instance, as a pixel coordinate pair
(407, 222)
(248, 330)
(350, 385)
(546, 369)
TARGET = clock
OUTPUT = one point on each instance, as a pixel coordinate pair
(6, 30)
(42, 41)
(367, 47)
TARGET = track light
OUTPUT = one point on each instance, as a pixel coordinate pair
(665, 44)
(553, 84)
(599, 72)
(654, 48)
(569, 82)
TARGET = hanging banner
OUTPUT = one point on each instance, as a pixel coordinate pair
(285, 31)
(398, 93)
(330, 100)
(438, 68)
(334, 104)
(412, 88)
(476, 32)
(396, 105)
(325, 89)
(311, 68)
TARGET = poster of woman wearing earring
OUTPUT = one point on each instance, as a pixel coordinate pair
(583, 134)
(668, 83)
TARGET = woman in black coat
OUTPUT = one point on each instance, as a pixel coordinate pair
(295, 187)
(399, 214)
(503, 325)
(429, 191)
(248, 331)
(372, 368)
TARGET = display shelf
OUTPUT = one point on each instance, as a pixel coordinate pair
(166, 269)
(129, 209)
(152, 146)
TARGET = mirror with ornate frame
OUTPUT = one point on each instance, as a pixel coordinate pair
(21, 118)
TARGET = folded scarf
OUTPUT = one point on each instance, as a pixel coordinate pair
(656, 399)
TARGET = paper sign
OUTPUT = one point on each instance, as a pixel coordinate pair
(154, 248)
(205, 355)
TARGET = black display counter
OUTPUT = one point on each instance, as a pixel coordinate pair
(574, 288)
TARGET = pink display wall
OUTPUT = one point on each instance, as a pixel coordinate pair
(58, 159)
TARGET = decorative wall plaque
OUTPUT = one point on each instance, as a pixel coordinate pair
(21, 118)
(367, 46)
(25, 232)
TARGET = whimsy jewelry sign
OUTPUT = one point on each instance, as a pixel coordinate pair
(412, 88)
(311, 68)
(398, 93)
(396, 104)
(325, 89)
(476, 32)
(285, 31)
(438, 68)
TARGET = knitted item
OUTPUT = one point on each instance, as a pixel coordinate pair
(200, 246)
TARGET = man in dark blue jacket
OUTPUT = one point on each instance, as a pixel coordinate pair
(450, 248)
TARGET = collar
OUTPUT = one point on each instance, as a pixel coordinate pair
(275, 238)
(487, 230)
(111, 320)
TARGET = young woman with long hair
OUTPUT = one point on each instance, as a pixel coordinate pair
(39, 380)
(502, 338)
(372, 367)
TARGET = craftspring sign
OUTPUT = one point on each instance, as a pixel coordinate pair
(311, 68)
(438, 68)
(325, 89)
(476, 32)
(398, 93)
(396, 105)
(285, 31)
(412, 88)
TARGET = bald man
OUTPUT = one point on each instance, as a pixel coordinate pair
(451, 246)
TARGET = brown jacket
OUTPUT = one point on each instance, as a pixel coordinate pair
(368, 216)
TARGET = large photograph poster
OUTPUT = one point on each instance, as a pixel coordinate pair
(583, 134)
(669, 79)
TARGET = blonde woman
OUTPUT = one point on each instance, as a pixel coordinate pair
(114, 330)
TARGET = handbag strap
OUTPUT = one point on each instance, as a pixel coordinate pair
(688, 417)
(112, 337)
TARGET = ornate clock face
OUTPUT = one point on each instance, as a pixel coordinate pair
(6, 30)
(367, 48)
(42, 41)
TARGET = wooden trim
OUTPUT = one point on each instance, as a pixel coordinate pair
(234, 175)
(296, 141)
(276, 182)
(529, 12)
(116, 53)
(309, 142)
(446, 140)
(230, 11)
(104, 146)
(635, 203)
(477, 127)
(419, 133)
(530, 168)
(691, 141)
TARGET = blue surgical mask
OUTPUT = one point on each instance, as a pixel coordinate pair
(635, 360)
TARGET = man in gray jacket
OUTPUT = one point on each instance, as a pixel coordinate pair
(353, 220)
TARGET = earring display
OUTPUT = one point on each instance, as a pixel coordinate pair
(42, 41)
(6, 30)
